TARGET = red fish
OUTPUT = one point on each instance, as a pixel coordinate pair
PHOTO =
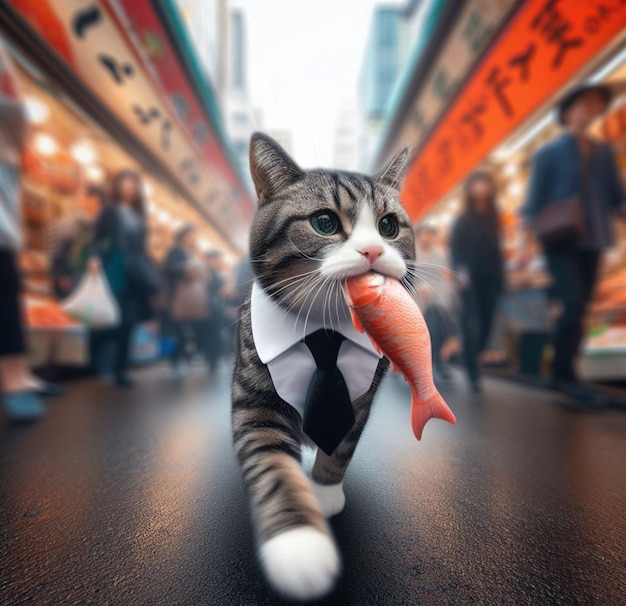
(382, 308)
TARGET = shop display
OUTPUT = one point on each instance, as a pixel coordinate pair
(64, 157)
(47, 313)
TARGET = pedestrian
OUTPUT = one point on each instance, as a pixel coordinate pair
(243, 277)
(477, 260)
(187, 297)
(573, 191)
(215, 326)
(119, 249)
(68, 246)
(434, 292)
(20, 390)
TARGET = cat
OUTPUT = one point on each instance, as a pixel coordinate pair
(312, 229)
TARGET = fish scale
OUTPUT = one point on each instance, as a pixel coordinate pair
(382, 308)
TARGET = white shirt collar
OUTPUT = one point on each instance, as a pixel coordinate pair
(275, 330)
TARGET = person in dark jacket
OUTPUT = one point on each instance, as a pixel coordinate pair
(180, 264)
(476, 257)
(575, 165)
(119, 248)
(216, 325)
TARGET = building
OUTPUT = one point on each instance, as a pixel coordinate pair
(382, 61)
(207, 23)
(389, 44)
(347, 139)
(218, 32)
(241, 118)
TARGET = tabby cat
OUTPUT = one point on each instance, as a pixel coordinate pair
(312, 229)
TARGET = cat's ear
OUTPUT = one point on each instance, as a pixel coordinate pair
(271, 167)
(393, 174)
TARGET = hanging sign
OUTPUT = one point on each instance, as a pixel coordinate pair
(541, 50)
(472, 31)
(87, 35)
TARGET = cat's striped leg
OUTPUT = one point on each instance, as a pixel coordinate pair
(296, 550)
(328, 471)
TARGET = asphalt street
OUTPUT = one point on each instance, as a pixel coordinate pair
(134, 498)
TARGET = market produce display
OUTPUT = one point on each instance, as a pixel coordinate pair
(46, 313)
(611, 292)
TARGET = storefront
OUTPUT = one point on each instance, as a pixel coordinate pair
(498, 119)
(76, 143)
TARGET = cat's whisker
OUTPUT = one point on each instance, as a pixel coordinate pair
(303, 253)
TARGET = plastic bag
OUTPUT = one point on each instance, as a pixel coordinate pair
(93, 303)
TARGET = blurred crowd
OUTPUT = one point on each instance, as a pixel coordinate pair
(103, 274)
(574, 193)
(102, 267)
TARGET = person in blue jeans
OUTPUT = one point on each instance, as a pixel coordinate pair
(574, 164)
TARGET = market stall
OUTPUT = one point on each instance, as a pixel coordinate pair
(497, 119)
(83, 96)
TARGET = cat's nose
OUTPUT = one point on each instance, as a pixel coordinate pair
(371, 253)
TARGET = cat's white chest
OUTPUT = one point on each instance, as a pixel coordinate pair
(278, 338)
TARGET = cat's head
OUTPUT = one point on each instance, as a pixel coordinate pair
(314, 228)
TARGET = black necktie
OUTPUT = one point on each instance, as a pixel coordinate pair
(328, 414)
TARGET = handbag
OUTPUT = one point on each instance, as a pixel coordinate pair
(562, 224)
(190, 301)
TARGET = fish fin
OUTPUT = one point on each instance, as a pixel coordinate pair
(394, 368)
(434, 407)
(356, 321)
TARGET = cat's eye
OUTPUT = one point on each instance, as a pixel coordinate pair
(388, 227)
(325, 223)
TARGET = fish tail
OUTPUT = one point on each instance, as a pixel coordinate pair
(434, 407)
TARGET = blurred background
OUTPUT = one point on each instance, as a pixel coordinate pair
(174, 89)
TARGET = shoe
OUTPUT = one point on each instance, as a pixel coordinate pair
(23, 406)
(583, 398)
(124, 381)
(49, 390)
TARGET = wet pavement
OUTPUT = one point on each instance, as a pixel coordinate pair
(134, 498)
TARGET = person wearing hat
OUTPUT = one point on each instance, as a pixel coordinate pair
(573, 192)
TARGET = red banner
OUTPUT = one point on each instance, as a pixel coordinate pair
(541, 50)
(175, 86)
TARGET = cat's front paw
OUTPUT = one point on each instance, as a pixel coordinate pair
(330, 497)
(301, 564)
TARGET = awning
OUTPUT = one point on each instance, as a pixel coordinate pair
(452, 38)
(136, 63)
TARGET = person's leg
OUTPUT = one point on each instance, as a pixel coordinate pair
(588, 263)
(18, 386)
(433, 319)
(487, 299)
(470, 334)
(211, 345)
(179, 337)
(123, 341)
(568, 289)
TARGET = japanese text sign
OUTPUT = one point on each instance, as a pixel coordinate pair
(544, 46)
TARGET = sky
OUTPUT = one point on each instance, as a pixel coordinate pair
(304, 60)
